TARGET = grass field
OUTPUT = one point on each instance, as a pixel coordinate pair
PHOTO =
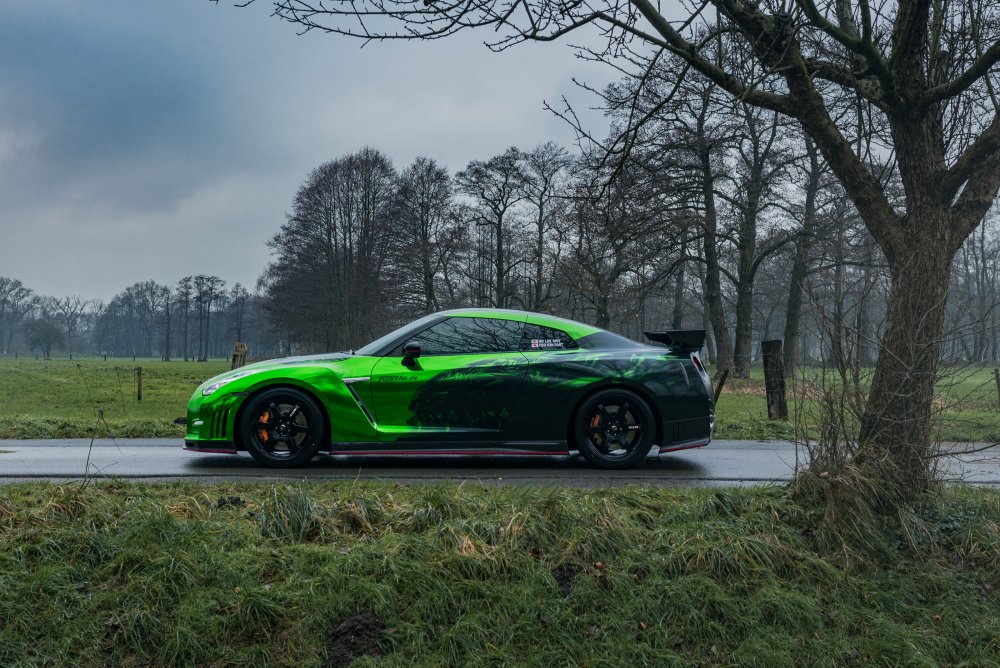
(60, 399)
(232, 575)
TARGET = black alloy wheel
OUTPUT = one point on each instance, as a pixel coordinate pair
(614, 429)
(282, 427)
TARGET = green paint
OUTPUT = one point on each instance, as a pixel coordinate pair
(522, 395)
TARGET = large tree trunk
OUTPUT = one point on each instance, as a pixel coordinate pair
(895, 433)
(800, 267)
(713, 279)
(742, 352)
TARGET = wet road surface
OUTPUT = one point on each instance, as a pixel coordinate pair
(722, 463)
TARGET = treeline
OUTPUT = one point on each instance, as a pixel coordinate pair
(197, 318)
(709, 215)
(730, 223)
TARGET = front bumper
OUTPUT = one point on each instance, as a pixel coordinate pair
(211, 424)
(215, 447)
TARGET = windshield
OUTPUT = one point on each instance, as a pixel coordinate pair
(376, 346)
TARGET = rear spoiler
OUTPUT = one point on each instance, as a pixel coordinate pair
(679, 340)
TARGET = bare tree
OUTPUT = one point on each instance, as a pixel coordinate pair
(619, 237)
(238, 299)
(165, 299)
(183, 295)
(422, 231)
(925, 70)
(71, 310)
(545, 181)
(42, 330)
(495, 186)
(800, 262)
(15, 304)
(208, 290)
(331, 256)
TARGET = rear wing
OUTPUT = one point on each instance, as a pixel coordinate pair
(679, 340)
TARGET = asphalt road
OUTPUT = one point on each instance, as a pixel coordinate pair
(721, 463)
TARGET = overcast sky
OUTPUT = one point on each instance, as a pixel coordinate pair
(150, 139)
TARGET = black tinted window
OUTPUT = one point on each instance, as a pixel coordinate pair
(609, 341)
(456, 336)
(538, 338)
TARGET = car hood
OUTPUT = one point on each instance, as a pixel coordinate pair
(298, 359)
(247, 374)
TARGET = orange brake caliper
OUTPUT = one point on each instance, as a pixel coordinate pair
(262, 433)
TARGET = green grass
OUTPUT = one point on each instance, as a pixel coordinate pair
(58, 399)
(61, 398)
(967, 406)
(233, 575)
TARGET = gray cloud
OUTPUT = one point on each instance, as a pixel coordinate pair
(158, 139)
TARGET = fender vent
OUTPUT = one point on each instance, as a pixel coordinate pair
(220, 422)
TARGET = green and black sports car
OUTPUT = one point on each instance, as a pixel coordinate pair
(469, 381)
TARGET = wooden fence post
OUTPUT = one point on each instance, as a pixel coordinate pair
(138, 383)
(239, 355)
(774, 380)
(996, 377)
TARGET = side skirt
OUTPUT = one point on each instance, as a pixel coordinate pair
(701, 443)
(453, 448)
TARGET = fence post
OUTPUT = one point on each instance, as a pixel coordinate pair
(996, 377)
(774, 380)
(239, 355)
(138, 383)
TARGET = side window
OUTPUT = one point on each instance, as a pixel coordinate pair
(457, 336)
(537, 338)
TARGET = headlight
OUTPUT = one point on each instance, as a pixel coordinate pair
(211, 389)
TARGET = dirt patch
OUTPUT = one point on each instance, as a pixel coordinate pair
(564, 574)
(353, 637)
(229, 501)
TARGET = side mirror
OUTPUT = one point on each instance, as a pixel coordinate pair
(411, 351)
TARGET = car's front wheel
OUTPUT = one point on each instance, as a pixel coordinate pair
(282, 427)
(614, 429)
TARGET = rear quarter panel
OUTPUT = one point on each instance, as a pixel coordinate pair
(557, 381)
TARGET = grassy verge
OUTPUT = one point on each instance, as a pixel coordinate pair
(181, 574)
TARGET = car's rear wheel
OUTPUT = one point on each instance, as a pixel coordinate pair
(614, 429)
(282, 427)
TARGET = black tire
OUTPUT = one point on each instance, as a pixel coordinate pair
(282, 427)
(614, 429)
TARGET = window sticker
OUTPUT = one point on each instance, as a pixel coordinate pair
(546, 343)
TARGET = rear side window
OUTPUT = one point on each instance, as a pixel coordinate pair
(537, 338)
(607, 341)
(459, 336)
